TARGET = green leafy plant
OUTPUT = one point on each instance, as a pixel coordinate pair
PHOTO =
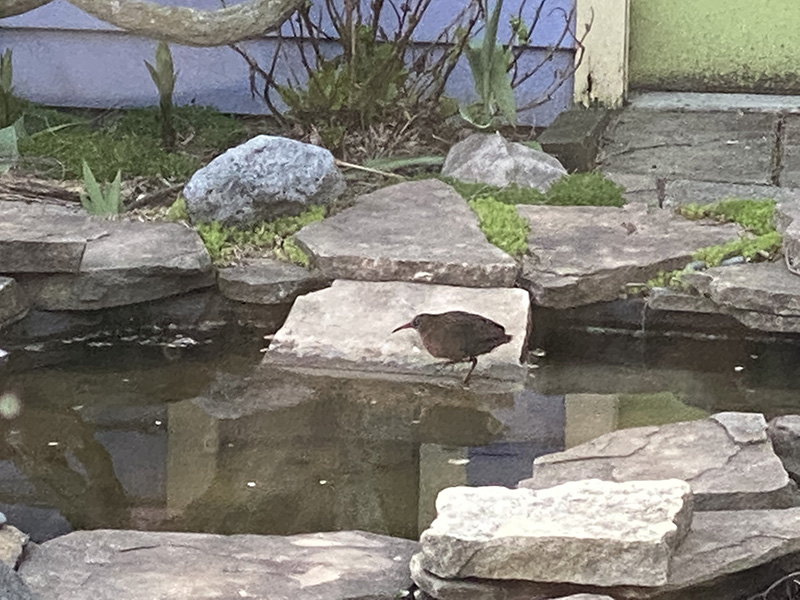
(501, 224)
(489, 62)
(164, 76)
(100, 200)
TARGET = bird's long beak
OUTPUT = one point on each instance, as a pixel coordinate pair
(406, 326)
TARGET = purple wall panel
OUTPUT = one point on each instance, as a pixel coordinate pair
(63, 57)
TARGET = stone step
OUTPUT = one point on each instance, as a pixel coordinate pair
(267, 281)
(421, 231)
(585, 254)
(349, 326)
(99, 263)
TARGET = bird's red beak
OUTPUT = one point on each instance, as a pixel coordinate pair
(406, 326)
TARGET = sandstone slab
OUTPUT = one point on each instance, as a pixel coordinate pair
(710, 146)
(787, 222)
(784, 432)
(268, 281)
(420, 231)
(264, 178)
(349, 326)
(491, 159)
(12, 541)
(560, 534)
(764, 296)
(13, 305)
(131, 262)
(585, 254)
(133, 565)
(727, 459)
(713, 561)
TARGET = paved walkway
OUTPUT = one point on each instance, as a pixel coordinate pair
(675, 148)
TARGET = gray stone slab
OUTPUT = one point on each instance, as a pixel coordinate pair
(726, 458)
(701, 101)
(574, 137)
(784, 432)
(13, 305)
(11, 585)
(133, 565)
(682, 191)
(134, 262)
(710, 146)
(638, 188)
(12, 542)
(420, 231)
(719, 546)
(268, 281)
(790, 161)
(674, 300)
(764, 296)
(560, 534)
(787, 222)
(38, 238)
(349, 326)
(584, 254)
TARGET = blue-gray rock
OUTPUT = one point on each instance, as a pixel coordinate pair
(493, 160)
(264, 178)
(2, 516)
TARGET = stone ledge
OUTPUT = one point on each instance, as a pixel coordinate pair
(574, 137)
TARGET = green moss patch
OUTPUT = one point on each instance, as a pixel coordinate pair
(501, 224)
(226, 244)
(762, 241)
(576, 189)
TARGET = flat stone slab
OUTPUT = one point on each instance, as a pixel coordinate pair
(135, 565)
(787, 222)
(421, 231)
(790, 161)
(709, 146)
(560, 534)
(727, 459)
(349, 326)
(585, 254)
(12, 541)
(39, 238)
(268, 281)
(134, 262)
(763, 296)
(13, 305)
(719, 545)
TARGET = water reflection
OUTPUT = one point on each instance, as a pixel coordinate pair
(210, 440)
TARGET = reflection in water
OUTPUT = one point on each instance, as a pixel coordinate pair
(212, 441)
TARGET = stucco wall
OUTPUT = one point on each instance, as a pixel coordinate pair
(63, 57)
(715, 45)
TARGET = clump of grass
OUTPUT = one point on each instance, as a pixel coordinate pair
(129, 141)
(501, 224)
(226, 242)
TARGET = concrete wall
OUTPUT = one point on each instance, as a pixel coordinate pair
(64, 57)
(715, 45)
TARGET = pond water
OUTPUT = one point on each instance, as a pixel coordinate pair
(203, 438)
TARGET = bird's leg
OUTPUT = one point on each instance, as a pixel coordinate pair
(474, 362)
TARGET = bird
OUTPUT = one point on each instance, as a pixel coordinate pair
(458, 336)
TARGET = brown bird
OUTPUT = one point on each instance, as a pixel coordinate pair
(458, 336)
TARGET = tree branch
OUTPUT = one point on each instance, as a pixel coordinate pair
(181, 25)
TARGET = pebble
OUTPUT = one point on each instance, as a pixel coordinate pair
(2, 519)
(733, 260)
(696, 265)
(3, 356)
